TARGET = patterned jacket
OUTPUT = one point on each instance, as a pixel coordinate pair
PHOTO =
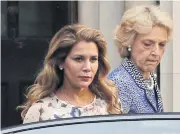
(133, 93)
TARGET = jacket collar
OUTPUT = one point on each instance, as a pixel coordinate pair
(134, 72)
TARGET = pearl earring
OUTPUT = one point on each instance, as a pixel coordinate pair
(129, 49)
(61, 68)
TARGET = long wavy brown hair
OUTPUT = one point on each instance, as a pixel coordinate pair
(50, 78)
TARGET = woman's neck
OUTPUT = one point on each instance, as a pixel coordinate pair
(146, 75)
(75, 96)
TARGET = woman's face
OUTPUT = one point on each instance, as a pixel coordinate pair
(147, 49)
(80, 65)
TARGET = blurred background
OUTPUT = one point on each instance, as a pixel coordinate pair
(27, 27)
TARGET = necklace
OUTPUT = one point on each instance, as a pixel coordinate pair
(66, 96)
(69, 99)
(150, 83)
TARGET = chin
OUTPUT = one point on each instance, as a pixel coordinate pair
(150, 70)
(84, 85)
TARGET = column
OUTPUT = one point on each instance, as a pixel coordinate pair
(176, 55)
(110, 13)
(88, 13)
(130, 4)
(166, 67)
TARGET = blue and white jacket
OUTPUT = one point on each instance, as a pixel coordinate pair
(133, 93)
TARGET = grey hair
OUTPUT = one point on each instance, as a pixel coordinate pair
(140, 20)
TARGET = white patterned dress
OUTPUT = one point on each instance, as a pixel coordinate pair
(50, 108)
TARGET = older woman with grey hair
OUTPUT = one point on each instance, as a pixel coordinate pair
(141, 39)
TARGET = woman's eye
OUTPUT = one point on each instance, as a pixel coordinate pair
(94, 59)
(162, 44)
(147, 44)
(79, 59)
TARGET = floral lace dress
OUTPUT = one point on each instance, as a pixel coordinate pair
(50, 108)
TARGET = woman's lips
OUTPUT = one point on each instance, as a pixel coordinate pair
(152, 61)
(85, 78)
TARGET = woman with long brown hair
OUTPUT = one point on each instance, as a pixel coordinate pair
(72, 82)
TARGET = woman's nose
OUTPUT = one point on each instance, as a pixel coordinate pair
(87, 66)
(155, 49)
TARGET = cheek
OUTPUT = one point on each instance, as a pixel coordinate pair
(68, 72)
(137, 51)
(160, 55)
(140, 55)
(71, 69)
(162, 52)
(95, 68)
(71, 73)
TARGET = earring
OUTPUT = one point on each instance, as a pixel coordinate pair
(129, 49)
(61, 68)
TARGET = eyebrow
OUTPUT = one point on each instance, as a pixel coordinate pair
(85, 55)
(152, 41)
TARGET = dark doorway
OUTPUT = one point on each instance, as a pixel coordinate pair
(26, 29)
